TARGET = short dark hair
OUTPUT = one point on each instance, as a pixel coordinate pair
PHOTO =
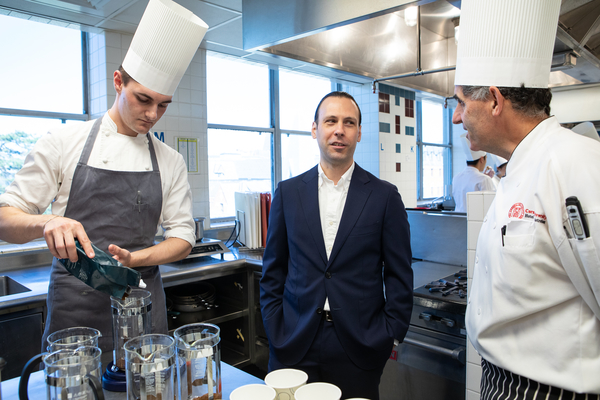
(125, 77)
(337, 94)
(531, 102)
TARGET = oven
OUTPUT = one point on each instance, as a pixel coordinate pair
(431, 362)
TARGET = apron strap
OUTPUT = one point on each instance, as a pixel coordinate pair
(89, 143)
(152, 153)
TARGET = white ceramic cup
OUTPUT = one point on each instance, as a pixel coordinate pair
(285, 382)
(253, 392)
(318, 391)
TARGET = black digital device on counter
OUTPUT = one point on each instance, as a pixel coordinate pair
(576, 218)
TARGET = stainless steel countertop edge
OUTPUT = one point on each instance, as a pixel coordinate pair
(37, 278)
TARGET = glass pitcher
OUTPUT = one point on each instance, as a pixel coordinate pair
(131, 317)
(72, 338)
(198, 362)
(69, 374)
(149, 367)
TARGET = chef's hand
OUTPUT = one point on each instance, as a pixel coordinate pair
(60, 234)
(489, 172)
(121, 255)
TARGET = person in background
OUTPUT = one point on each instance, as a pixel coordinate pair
(500, 170)
(534, 304)
(336, 289)
(111, 182)
(586, 129)
(472, 178)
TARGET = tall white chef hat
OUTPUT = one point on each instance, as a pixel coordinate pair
(586, 129)
(163, 46)
(471, 155)
(506, 43)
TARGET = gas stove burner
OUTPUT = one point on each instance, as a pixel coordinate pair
(446, 287)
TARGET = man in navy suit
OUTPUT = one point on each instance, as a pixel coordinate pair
(336, 290)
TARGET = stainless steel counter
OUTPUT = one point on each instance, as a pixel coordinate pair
(36, 278)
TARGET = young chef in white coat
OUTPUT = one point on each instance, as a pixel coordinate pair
(534, 307)
(111, 182)
(472, 178)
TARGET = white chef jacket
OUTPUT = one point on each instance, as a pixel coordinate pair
(534, 305)
(48, 172)
(496, 181)
(332, 199)
(469, 180)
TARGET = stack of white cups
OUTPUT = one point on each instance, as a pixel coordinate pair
(288, 384)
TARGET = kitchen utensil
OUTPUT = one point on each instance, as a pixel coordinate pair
(253, 392)
(198, 362)
(69, 374)
(72, 338)
(132, 317)
(318, 391)
(286, 382)
(149, 367)
(199, 222)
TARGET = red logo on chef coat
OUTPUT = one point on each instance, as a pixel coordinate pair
(517, 211)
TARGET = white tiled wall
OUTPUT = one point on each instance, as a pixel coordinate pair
(367, 153)
(406, 179)
(478, 204)
(376, 151)
(185, 116)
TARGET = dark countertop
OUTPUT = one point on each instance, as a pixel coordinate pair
(231, 379)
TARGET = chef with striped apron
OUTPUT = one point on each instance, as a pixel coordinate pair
(533, 312)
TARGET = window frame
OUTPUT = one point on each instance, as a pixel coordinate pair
(447, 145)
(84, 116)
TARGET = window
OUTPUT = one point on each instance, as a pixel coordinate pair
(238, 161)
(42, 86)
(299, 95)
(299, 153)
(237, 92)
(434, 150)
(397, 124)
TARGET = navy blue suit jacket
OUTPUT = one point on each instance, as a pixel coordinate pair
(368, 277)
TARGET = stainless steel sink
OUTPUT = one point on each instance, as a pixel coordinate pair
(9, 286)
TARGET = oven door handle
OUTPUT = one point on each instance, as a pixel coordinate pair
(458, 354)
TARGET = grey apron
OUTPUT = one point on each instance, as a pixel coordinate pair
(118, 207)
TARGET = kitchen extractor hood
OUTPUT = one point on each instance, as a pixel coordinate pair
(379, 44)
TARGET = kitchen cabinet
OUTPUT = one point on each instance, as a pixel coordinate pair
(229, 311)
(20, 339)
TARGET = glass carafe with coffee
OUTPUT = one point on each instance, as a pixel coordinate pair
(131, 318)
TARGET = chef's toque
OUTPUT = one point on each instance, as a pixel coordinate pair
(498, 161)
(506, 43)
(164, 43)
(471, 155)
(586, 129)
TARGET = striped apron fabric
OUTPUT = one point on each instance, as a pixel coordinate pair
(500, 384)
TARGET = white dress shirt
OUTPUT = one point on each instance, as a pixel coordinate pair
(332, 199)
(48, 171)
